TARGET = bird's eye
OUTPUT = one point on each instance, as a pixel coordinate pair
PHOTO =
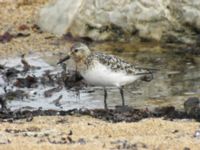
(76, 50)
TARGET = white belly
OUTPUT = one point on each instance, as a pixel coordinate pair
(101, 75)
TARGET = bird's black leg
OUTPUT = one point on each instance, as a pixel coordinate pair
(105, 98)
(122, 95)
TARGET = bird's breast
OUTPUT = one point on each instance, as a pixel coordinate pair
(102, 75)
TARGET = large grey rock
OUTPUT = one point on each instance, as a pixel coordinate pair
(162, 20)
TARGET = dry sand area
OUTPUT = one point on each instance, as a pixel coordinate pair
(77, 132)
(73, 132)
(18, 18)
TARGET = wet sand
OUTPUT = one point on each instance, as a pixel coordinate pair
(73, 132)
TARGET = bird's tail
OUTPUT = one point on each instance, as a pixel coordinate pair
(147, 74)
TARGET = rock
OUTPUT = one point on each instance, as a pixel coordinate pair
(169, 21)
(29, 82)
(6, 37)
(192, 106)
(81, 141)
(59, 22)
(197, 134)
(49, 93)
(3, 103)
(4, 140)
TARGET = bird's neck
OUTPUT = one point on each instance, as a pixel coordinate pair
(82, 65)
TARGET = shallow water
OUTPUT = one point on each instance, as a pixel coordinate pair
(178, 78)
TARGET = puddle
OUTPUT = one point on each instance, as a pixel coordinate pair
(36, 97)
(177, 79)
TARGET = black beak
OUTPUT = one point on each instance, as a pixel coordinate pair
(63, 59)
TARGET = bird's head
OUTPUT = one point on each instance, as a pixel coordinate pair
(78, 52)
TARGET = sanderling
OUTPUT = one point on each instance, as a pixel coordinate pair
(104, 70)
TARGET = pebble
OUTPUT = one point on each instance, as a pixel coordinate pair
(81, 141)
(197, 134)
(192, 106)
(4, 140)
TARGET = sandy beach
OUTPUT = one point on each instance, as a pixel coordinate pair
(72, 132)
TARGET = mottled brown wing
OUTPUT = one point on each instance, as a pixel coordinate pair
(115, 63)
(119, 65)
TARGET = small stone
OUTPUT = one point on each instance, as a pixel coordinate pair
(197, 134)
(33, 129)
(186, 148)
(70, 132)
(175, 131)
(81, 141)
(4, 140)
(96, 137)
(191, 105)
(70, 139)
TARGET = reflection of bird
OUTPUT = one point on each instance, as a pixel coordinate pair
(57, 101)
(105, 70)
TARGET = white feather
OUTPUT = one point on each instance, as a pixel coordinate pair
(101, 75)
